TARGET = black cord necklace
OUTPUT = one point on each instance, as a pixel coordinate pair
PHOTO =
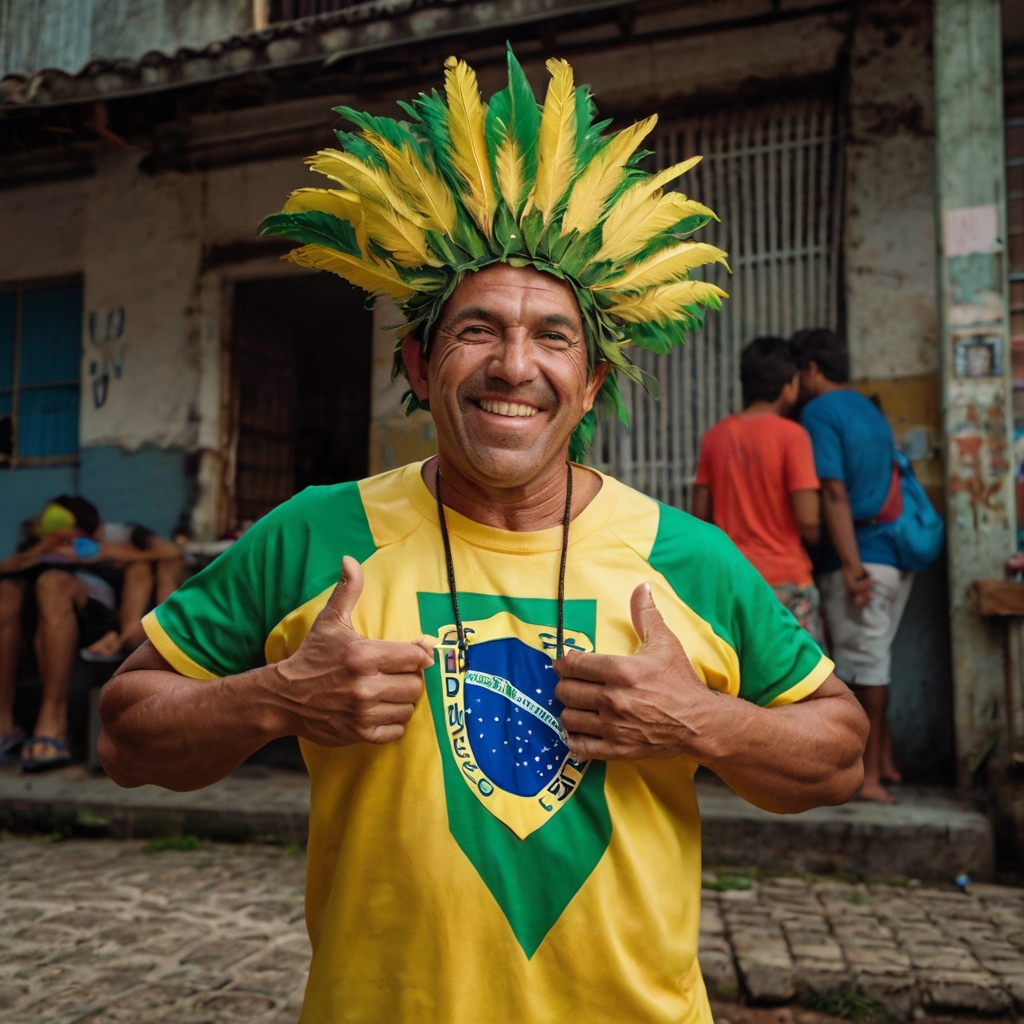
(453, 590)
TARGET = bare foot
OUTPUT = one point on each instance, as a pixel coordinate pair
(109, 643)
(876, 792)
(890, 773)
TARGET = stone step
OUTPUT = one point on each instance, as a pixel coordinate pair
(928, 835)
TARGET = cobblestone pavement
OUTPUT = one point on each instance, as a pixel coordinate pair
(915, 949)
(102, 931)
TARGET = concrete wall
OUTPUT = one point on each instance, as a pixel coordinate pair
(66, 34)
(154, 325)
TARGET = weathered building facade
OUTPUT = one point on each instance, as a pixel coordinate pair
(209, 385)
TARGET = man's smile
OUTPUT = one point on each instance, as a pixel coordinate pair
(502, 408)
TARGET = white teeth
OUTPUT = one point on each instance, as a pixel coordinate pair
(507, 408)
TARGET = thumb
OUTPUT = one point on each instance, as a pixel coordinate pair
(647, 620)
(346, 593)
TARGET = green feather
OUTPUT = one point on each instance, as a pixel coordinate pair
(359, 147)
(397, 133)
(514, 113)
(582, 250)
(588, 133)
(313, 227)
(431, 114)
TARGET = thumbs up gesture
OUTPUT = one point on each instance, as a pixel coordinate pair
(648, 704)
(341, 688)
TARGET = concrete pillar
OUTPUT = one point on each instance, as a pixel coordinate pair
(974, 356)
(395, 439)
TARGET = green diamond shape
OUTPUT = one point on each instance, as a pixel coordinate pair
(532, 879)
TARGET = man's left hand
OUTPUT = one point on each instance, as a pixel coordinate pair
(648, 704)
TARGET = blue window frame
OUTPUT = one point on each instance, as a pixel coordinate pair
(40, 367)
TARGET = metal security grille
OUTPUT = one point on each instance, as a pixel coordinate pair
(772, 175)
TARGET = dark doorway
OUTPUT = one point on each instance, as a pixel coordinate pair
(301, 386)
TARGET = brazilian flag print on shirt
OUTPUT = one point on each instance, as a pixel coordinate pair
(473, 871)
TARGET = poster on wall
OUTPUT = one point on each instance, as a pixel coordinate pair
(977, 353)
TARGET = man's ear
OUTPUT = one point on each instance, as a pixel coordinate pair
(600, 375)
(415, 367)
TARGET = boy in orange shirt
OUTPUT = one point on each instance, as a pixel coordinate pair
(756, 480)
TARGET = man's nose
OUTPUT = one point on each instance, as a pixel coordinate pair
(513, 359)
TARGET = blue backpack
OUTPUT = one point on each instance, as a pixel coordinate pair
(919, 532)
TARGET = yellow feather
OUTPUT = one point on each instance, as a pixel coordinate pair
(428, 194)
(466, 118)
(665, 266)
(663, 303)
(621, 214)
(511, 173)
(342, 204)
(623, 238)
(370, 182)
(602, 177)
(372, 277)
(556, 143)
(405, 241)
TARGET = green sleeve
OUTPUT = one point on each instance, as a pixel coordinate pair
(711, 576)
(220, 618)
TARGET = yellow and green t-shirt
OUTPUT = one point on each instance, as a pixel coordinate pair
(472, 871)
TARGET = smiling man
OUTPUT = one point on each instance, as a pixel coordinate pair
(504, 700)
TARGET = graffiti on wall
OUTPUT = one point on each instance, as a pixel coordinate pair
(106, 335)
(979, 456)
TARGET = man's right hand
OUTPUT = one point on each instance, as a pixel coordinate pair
(341, 688)
(858, 584)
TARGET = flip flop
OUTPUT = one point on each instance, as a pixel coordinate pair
(59, 759)
(10, 745)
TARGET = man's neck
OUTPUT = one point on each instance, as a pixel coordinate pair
(536, 505)
(762, 408)
(826, 386)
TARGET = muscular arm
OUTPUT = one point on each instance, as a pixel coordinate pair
(653, 704)
(164, 728)
(788, 758)
(338, 688)
(702, 507)
(835, 501)
(807, 509)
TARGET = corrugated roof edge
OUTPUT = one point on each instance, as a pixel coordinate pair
(290, 43)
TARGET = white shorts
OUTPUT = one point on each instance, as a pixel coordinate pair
(861, 638)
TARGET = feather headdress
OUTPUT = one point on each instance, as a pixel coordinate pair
(463, 184)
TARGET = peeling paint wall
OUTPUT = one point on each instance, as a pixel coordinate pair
(153, 324)
(889, 237)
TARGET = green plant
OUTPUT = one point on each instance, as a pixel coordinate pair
(859, 898)
(727, 882)
(851, 1004)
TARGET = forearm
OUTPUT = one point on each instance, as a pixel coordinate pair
(788, 758)
(839, 520)
(20, 561)
(163, 728)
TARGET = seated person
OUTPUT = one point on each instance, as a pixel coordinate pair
(756, 480)
(89, 585)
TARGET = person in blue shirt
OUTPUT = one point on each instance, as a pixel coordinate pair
(863, 590)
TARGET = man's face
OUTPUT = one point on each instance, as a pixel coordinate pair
(507, 377)
(808, 382)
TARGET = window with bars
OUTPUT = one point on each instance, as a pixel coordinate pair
(40, 357)
(772, 175)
